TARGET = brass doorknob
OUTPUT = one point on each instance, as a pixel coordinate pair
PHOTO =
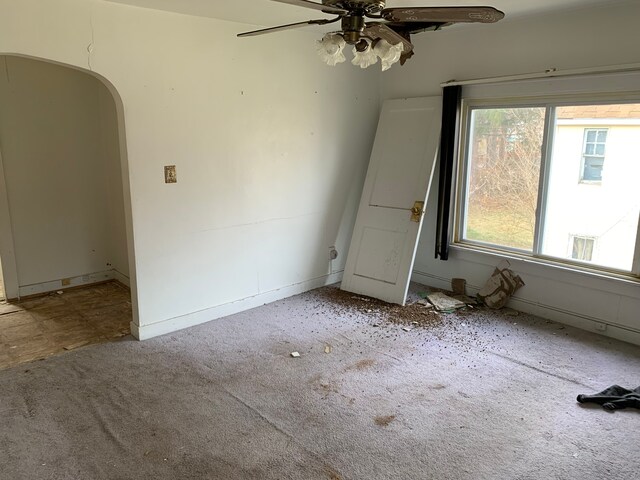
(417, 211)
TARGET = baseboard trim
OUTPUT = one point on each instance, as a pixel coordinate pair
(549, 312)
(145, 332)
(55, 285)
(122, 278)
(431, 280)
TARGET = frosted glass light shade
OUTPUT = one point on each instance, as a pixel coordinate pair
(365, 58)
(389, 54)
(330, 49)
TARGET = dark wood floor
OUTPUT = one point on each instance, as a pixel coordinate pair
(51, 324)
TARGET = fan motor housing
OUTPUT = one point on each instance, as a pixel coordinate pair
(352, 28)
(363, 7)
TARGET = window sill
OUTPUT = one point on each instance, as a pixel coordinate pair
(612, 282)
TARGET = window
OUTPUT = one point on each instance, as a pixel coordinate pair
(504, 167)
(582, 248)
(519, 192)
(593, 154)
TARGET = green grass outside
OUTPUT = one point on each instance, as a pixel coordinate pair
(500, 226)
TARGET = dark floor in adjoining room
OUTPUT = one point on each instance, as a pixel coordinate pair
(50, 324)
(477, 395)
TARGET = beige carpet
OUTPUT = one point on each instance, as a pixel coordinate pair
(470, 396)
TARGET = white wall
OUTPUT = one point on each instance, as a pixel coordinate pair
(62, 175)
(271, 147)
(112, 168)
(574, 39)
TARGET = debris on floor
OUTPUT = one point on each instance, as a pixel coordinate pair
(502, 284)
(347, 304)
(328, 349)
(459, 286)
(614, 398)
(445, 303)
(295, 354)
(466, 299)
(424, 303)
(364, 299)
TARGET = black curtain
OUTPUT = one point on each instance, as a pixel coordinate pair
(451, 101)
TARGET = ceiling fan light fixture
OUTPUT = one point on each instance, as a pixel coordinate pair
(364, 57)
(388, 36)
(388, 54)
(330, 49)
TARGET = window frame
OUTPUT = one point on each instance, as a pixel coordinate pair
(573, 237)
(550, 102)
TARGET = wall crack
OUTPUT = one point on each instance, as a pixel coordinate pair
(90, 46)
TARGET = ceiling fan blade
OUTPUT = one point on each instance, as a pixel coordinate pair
(443, 14)
(284, 27)
(380, 30)
(416, 27)
(315, 6)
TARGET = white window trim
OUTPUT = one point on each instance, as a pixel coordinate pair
(458, 220)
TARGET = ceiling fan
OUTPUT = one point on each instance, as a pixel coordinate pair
(388, 38)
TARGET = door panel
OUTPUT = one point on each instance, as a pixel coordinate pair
(384, 241)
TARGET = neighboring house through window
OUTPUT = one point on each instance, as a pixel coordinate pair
(520, 194)
(595, 140)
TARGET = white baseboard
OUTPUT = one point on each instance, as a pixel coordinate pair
(55, 285)
(431, 280)
(145, 332)
(121, 277)
(547, 312)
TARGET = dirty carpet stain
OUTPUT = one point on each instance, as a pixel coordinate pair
(384, 420)
(362, 365)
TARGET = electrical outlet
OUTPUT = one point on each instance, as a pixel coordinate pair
(333, 253)
(170, 174)
(65, 282)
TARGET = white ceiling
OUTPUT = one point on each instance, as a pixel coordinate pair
(268, 13)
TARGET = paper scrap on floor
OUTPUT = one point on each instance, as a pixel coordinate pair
(444, 303)
(501, 285)
(424, 303)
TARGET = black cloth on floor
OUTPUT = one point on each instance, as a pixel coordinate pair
(614, 398)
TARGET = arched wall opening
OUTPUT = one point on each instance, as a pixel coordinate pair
(65, 203)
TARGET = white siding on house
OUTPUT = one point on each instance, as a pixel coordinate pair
(605, 211)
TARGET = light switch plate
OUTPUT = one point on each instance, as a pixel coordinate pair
(170, 175)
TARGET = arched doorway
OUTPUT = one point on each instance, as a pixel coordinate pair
(66, 245)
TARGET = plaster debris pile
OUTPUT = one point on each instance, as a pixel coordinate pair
(445, 303)
(473, 328)
(428, 312)
(500, 286)
(350, 305)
